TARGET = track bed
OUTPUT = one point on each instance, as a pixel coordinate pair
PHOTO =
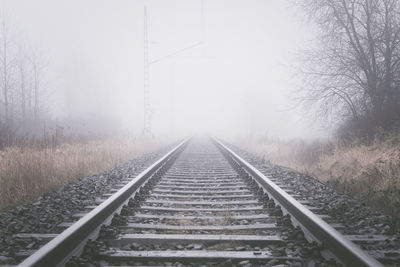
(202, 205)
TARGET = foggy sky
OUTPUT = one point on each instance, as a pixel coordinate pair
(237, 81)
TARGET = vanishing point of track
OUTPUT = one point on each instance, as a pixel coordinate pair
(200, 204)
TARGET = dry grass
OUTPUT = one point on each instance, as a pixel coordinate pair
(295, 154)
(368, 172)
(26, 172)
(371, 173)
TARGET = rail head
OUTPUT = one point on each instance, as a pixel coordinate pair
(57, 251)
(342, 249)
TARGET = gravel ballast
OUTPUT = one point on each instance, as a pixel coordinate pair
(43, 215)
(355, 217)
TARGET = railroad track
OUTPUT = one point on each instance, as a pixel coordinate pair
(201, 204)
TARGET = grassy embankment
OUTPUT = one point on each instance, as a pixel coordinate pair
(368, 172)
(28, 171)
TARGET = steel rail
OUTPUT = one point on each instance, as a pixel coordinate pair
(342, 249)
(71, 241)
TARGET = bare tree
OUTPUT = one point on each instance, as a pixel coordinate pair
(36, 78)
(21, 65)
(21, 92)
(4, 64)
(355, 70)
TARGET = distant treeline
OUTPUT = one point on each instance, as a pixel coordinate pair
(22, 92)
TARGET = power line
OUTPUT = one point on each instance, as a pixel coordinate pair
(176, 52)
(147, 103)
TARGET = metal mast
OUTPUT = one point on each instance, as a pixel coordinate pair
(147, 107)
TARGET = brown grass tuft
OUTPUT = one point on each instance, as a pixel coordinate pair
(28, 171)
(368, 172)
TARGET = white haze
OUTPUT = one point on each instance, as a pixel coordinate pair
(238, 81)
